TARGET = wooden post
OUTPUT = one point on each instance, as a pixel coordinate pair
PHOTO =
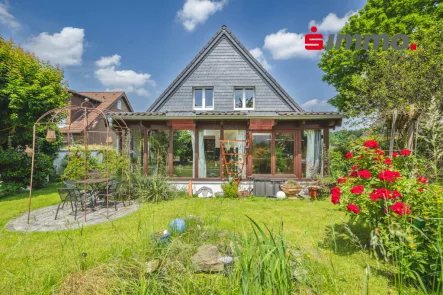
(326, 145)
(170, 155)
(145, 151)
(273, 153)
(222, 137)
(196, 152)
(249, 158)
(298, 150)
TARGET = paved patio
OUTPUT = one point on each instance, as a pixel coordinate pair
(42, 219)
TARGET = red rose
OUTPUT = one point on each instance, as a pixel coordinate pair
(405, 153)
(342, 180)
(364, 174)
(395, 194)
(353, 208)
(355, 167)
(420, 189)
(400, 208)
(354, 174)
(371, 144)
(389, 176)
(394, 154)
(380, 152)
(348, 155)
(388, 161)
(335, 198)
(422, 179)
(357, 190)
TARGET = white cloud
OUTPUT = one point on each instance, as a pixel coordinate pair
(8, 19)
(317, 106)
(332, 23)
(196, 12)
(285, 45)
(258, 54)
(64, 48)
(106, 61)
(121, 80)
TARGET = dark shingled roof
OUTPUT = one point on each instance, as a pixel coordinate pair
(224, 31)
(309, 113)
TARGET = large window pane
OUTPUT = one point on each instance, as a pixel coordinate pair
(312, 146)
(158, 147)
(198, 98)
(238, 98)
(249, 96)
(183, 142)
(209, 98)
(209, 154)
(236, 151)
(261, 153)
(284, 153)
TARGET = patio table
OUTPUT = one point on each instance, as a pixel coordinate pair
(95, 185)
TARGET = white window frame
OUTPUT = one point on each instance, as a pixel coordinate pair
(244, 98)
(119, 104)
(203, 108)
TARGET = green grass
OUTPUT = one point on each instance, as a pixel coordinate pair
(37, 263)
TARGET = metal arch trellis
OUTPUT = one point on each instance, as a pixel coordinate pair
(111, 119)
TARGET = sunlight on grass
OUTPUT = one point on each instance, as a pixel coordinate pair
(39, 262)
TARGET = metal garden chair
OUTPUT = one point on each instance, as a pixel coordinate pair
(65, 196)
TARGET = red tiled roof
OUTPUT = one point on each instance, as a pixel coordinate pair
(106, 99)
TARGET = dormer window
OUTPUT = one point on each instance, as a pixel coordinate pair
(204, 98)
(244, 98)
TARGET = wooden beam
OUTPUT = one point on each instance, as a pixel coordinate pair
(261, 124)
(145, 151)
(182, 124)
(170, 152)
(249, 159)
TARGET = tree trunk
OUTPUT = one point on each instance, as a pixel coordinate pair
(391, 140)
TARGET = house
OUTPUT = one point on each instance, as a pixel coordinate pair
(226, 94)
(103, 101)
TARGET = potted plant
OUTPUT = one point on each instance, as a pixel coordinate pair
(313, 191)
(291, 188)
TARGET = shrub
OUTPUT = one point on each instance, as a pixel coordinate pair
(389, 195)
(230, 190)
(153, 188)
(75, 167)
(15, 170)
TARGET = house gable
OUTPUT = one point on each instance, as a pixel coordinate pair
(224, 64)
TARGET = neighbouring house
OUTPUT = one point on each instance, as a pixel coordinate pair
(115, 101)
(226, 94)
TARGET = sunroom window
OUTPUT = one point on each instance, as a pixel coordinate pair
(244, 98)
(204, 98)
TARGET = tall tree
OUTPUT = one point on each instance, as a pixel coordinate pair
(415, 18)
(28, 89)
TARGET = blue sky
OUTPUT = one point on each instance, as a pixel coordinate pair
(141, 46)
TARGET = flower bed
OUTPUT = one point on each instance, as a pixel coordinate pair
(390, 196)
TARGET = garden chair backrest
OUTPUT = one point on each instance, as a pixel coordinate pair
(63, 193)
(70, 183)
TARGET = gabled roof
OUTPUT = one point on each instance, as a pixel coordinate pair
(223, 32)
(105, 99)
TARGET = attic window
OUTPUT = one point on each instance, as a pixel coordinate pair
(119, 104)
(244, 98)
(204, 98)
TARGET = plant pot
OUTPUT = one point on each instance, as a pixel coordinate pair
(242, 194)
(419, 222)
(291, 191)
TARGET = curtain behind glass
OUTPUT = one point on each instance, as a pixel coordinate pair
(201, 155)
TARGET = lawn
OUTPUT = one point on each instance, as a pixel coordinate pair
(42, 263)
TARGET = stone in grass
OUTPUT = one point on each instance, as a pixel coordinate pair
(226, 259)
(152, 266)
(207, 259)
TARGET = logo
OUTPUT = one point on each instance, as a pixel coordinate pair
(315, 41)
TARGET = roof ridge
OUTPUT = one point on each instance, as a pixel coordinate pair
(212, 42)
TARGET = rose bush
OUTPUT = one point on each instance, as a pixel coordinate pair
(391, 197)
